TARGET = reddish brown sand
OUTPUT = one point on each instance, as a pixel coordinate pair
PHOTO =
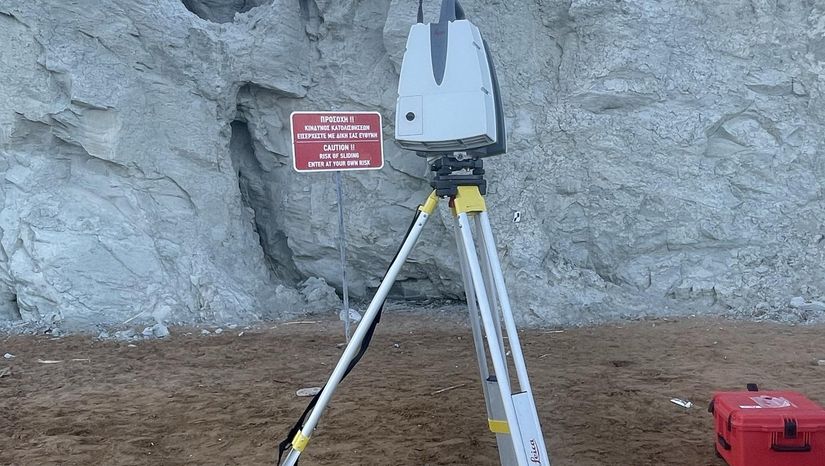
(603, 393)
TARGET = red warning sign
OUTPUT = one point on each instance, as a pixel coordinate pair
(323, 141)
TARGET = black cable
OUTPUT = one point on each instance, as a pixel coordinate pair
(450, 11)
(365, 343)
(459, 12)
(447, 11)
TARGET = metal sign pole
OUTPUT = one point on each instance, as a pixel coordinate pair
(343, 242)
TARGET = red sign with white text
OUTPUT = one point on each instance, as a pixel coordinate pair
(329, 141)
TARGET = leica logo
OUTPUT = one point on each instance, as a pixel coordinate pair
(535, 458)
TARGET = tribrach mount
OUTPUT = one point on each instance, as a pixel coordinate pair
(453, 170)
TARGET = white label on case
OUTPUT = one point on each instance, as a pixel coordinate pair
(765, 401)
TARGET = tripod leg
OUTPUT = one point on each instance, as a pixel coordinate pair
(489, 284)
(496, 417)
(496, 352)
(302, 437)
(488, 242)
(478, 337)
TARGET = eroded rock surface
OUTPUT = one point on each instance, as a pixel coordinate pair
(665, 157)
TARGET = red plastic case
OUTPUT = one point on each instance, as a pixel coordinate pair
(768, 428)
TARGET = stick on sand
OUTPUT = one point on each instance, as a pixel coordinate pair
(448, 389)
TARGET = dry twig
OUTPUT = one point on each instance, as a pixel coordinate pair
(448, 389)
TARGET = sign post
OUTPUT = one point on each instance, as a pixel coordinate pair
(342, 240)
(337, 141)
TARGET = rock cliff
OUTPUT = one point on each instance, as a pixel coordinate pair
(665, 157)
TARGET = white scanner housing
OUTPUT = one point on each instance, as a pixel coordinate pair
(458, 112)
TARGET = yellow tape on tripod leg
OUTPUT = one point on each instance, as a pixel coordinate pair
(300, 442)
(429, 205)
(499, 427)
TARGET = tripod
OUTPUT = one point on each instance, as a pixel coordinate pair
(511, 415)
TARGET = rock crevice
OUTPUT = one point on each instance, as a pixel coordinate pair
(221, 11)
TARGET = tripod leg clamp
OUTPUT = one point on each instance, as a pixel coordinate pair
(300, 442)
(430, 204)
(498, 427)
(468, 200)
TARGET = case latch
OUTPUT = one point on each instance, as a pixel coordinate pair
(790, 428)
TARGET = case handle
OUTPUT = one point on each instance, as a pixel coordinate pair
(791, 448)
(725, 443)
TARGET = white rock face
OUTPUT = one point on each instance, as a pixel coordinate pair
(665, 157)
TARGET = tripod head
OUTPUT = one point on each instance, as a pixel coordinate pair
(455, 169)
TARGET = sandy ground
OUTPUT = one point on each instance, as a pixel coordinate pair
(603, 393)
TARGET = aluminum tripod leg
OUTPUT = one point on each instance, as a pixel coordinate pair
(302, 438)
(478, 337)
(519, 411)
(496, 417)
(483, 221)
(496, 352)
